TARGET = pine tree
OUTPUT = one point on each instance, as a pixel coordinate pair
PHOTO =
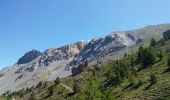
(132, 61)
(118, 78)
(161, 42)
(109, 74)
(57, 81)
(75, 88)
(50, 91)
(123, 69)
(153, 42)
(90, 90)
(149, 57)
(160, 55)
(152, 56)
(140, 54)
(146, 56)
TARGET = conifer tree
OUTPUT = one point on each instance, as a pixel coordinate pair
(161, 42)
(146, 56)
(109, 74)
(57, 81)
(75, 88)
(160, 55)
(118, 78)
(153, 42)
(140, 54)
(132, 61)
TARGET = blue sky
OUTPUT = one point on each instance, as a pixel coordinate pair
(41, 24)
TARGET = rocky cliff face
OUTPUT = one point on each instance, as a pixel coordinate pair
(62, 53)
(100, 47)
(29, 56)
(53, 54)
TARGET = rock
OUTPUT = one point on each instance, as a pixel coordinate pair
(2, 74)
(18, 71)
(29, 56)
(99, 47)
(30, 69)
(19, 77)
(62, 53)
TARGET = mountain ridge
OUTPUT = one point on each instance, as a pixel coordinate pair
(57, 62)
(132, 31)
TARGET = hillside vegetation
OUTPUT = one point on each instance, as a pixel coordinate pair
(142, 75)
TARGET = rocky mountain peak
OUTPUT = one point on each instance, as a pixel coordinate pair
(99, 47)
(29, 56)
(61, 53)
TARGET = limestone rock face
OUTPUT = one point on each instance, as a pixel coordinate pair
(100, 47)
(62, 53)
(52, 54)
(29, 56)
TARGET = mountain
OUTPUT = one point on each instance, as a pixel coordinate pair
(151, 31)
(37, 66)
(63, 53)
(100, 47)
(109, 47)
(29, 56)
(140, 75)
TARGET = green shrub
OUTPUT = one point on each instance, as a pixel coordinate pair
(76, 88)
(153, 42)
(153, 79)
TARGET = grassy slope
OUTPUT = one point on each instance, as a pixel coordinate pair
(160, 90)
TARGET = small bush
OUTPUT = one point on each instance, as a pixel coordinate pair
(75, 88)
(153, 79)
(153, 42)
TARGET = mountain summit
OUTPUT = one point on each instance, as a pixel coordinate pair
(29, 56)
(101, 47)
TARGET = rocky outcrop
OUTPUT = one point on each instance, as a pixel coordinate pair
(62, 53)
(29, 56)
(53, 54)
(100, 47)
